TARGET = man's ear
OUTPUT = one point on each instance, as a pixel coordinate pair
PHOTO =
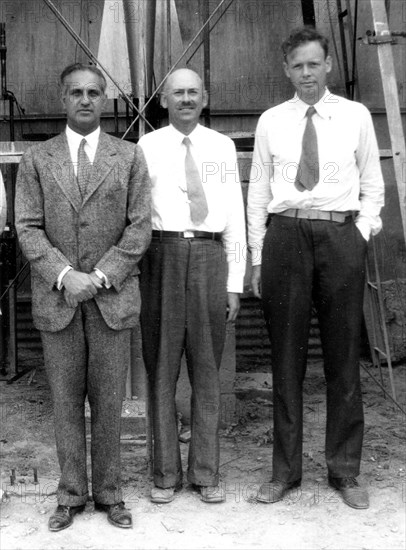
(163, 100)
(205, 99)
(63, 98)
(329, 63)
(286, 69)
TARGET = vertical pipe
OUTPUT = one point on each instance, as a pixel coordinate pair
(205, 10)
(150, 45)
(12, 330)
(140, 26)
(133, 23)
(2, 331)
(140, 18)
(169, 34)
(115, 103)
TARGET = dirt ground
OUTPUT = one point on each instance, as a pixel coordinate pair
(312, 517)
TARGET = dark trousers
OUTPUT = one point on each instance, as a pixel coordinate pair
(323, 262)
(87, 358)
(183, 291)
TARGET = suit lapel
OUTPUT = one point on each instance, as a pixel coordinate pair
(105, 159)
(61, 168)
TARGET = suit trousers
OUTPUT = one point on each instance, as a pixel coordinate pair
(87, 358)
(320, 262)
(183, 308)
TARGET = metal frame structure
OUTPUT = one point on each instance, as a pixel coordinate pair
(382, 40)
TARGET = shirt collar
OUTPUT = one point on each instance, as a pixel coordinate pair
(74, 138)
(322, 106)
(193, 136)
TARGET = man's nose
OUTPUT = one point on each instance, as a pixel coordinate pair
(306, 70)
(186, 97)
(85, 98)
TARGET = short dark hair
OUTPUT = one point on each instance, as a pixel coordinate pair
(301, 36)
(83, 67)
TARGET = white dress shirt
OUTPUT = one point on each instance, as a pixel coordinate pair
(350, 171)
(74, 141)
(216, 158)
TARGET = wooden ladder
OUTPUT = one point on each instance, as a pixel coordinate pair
(382, 39)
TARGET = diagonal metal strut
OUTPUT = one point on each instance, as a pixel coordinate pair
(88, 51)
(158, 88)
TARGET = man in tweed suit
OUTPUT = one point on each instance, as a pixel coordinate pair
(83, 222)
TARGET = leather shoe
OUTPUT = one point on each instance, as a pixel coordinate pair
(213, 494)
(63, 517)
(161, 495)
(275, 490)
(353, 495)
(117, 514)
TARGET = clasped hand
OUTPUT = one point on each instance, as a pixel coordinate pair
(80, 287)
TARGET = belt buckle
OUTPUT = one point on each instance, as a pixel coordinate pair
(188, 234)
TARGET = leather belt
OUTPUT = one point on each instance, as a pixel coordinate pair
(330, 216)
(162, 235)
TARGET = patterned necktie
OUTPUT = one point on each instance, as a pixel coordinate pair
(195, 191)
(308, 171)
(84, 168)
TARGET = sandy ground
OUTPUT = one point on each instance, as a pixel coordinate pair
(312, 517)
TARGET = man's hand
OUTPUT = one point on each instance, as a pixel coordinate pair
(79, 286)
(69, 299)
(98, 283)
(256, 280)
(233, 300)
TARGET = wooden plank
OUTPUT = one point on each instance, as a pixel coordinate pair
(12, 151)
(391, 95)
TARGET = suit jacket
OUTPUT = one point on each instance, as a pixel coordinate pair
(109, 229)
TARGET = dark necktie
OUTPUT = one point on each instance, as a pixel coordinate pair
(84, 168)
(308, 171)
(195, 191)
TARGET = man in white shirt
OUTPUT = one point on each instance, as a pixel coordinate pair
(314, 198)
(192, 272)
(83, 220)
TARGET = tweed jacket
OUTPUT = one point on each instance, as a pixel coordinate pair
(109, 228)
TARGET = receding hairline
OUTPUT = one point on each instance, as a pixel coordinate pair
(82, 68)
(178, 72)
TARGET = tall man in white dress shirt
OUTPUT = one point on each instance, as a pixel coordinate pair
(314, 199)
(192, 271)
